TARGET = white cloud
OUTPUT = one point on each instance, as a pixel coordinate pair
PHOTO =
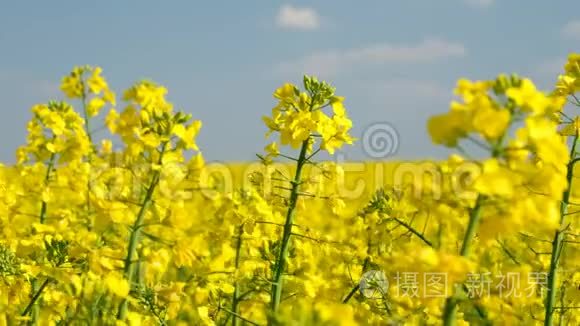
(480, 3)
(331, 61)
(395, 94)
(407, 88)
(572, 30)
(297, 18)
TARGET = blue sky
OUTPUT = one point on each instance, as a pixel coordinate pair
(394, 61)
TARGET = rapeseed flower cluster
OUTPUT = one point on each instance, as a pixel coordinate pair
(134, 229)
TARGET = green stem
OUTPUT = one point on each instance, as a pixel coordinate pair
(366, 262)
(480, 310)
(559, 240)
(136, 232)
(240, 317)
(89, 156)
(35, 297)
(415, 232)
(450, 309)
(351, 294)
(474, 217)
(44, 206)
(42, 217)
(86, 114)
(236, 296)
(281, 260)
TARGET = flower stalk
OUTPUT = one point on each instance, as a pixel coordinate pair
(30, 308)
(35, 297)
(134, 238)
(450, 309)
(236, 295)
(557, 243)
(283, 254)
(44, 205)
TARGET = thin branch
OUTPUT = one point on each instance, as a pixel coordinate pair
(412, 230)
(36, 297)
